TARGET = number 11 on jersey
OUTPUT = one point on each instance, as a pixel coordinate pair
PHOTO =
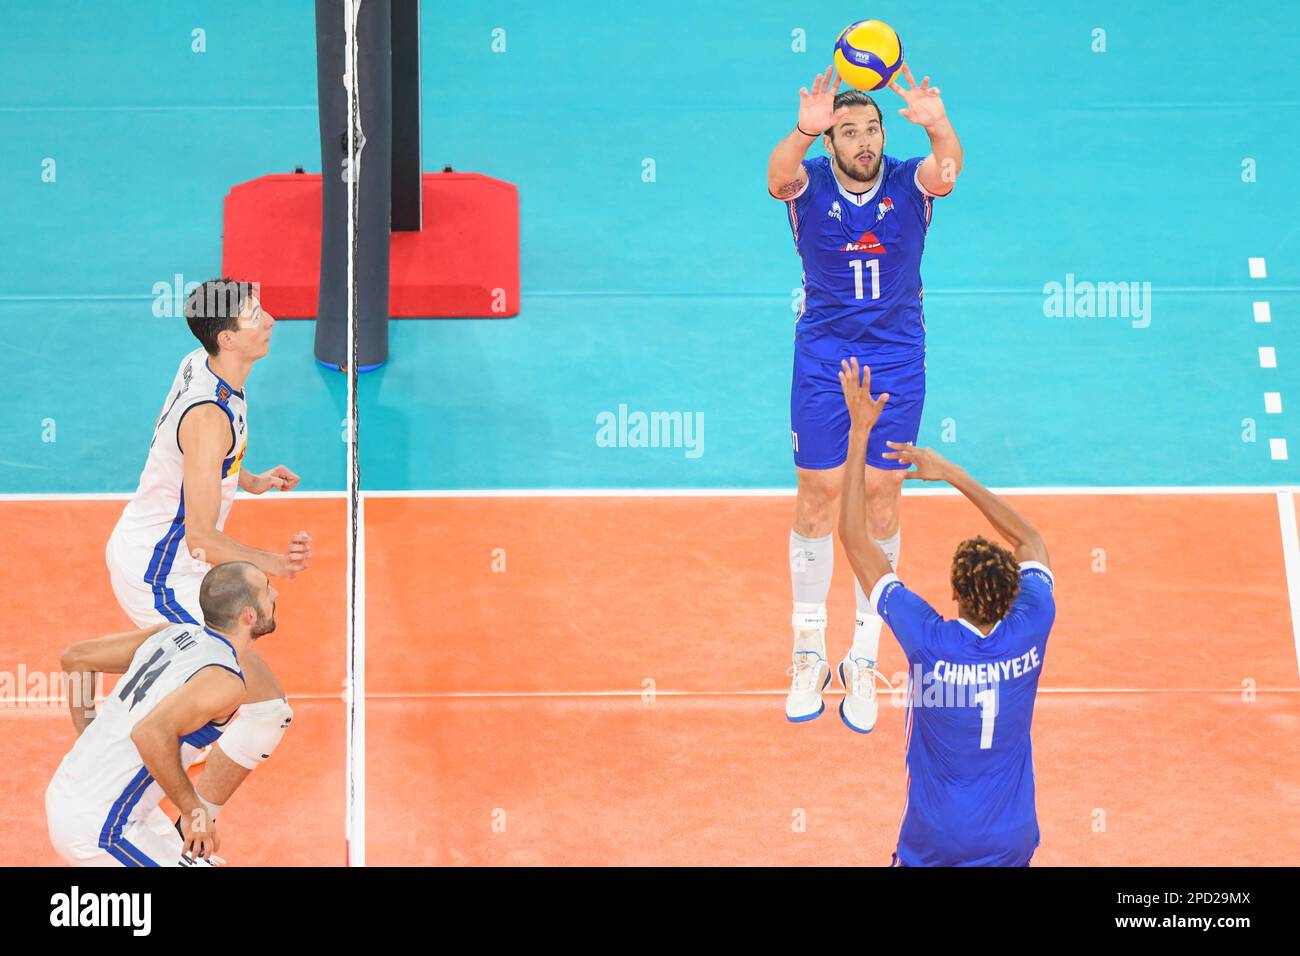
(873, 265)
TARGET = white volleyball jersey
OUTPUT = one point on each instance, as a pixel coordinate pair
(102, 782)
(150, 534)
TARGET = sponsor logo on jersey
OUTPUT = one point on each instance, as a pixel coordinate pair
(223, 393)
(866, 243)
(834, 211)
(886, 205)
(239, 460)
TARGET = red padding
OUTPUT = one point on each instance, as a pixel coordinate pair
(464, 263)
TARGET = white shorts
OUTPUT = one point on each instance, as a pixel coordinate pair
(173, 599)
(152, 841)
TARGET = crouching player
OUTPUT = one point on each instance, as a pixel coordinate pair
(183, 683)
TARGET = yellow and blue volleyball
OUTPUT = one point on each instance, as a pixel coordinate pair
(868, 54)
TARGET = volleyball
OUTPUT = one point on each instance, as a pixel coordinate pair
(868, 54)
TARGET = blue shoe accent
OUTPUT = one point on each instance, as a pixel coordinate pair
(800, 720)
(845, 685)
(820, 710)
(856, 730)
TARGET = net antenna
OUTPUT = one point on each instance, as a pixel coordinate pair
(355, 696)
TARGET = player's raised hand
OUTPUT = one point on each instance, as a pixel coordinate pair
(924, 107)
(928, 464)
(299, 554)
(200, 835)
(817, 112)
(864, 410)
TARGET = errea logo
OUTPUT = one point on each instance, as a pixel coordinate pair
(834, 211)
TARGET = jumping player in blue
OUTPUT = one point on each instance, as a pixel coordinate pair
(972, 682)
(859, 220)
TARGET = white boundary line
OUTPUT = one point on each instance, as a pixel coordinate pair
(1291, 555)
(789, 492)
(57, 703)
(919, 492)
(779, 692)
(128, 495)
(357, 857)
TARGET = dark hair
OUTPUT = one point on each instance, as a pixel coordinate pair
(226, 590)
(214, 308)
(986, 578)
(855, 98)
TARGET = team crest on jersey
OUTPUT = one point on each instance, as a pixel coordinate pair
(223, 393)
(867, 242)
(834, 211)
(886, 205)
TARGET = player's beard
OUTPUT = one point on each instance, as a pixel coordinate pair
(852, 168)
(265, 623)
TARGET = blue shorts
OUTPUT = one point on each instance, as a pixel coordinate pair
(819, 419)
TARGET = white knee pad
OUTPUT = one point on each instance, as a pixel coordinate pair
(255, 732)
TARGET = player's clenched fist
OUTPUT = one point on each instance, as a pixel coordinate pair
(298, 556)
(863, 409)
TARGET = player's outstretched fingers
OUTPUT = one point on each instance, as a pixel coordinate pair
(907, 71)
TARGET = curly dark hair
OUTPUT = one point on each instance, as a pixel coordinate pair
(986, 578)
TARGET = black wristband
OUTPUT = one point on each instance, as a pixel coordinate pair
(813, 135)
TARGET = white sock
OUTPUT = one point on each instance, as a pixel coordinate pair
(867, 625)
(811, 562)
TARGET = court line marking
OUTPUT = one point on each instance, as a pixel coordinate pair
(37, 703)
(917, 492)
(789, 492)
(532, 694)
(1291, 557)
(128, 495)
(59, 704)
(24, 297)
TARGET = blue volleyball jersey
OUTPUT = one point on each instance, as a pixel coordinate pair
(970, 761)
(861, 264)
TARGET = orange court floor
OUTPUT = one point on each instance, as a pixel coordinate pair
(572, 680)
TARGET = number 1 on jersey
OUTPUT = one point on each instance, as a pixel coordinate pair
(874, 266)
(988, 701)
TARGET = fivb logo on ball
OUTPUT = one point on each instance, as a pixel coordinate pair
(868, 54)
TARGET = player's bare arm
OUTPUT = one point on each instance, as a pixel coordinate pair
(205, 441)
(84, 661)
(213, 694)
(279, 478)
(928, 465)
(938, 171)
(867, 558)
(817, 113)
